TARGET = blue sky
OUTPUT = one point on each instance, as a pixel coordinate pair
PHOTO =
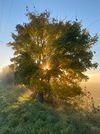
(12, 12)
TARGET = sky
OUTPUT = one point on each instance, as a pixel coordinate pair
(12, 12)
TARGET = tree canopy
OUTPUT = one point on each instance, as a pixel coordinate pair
(51, 56)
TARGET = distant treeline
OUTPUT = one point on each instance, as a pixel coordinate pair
(7, 76)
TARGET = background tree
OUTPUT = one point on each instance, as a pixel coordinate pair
(7, 76)
(51, 56)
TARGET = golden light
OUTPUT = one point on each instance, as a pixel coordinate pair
(46, 67)
(0, 70)
(25, 96)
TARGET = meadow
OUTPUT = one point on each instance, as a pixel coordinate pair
(20, 114)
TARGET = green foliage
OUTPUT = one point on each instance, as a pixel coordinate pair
(49, 51)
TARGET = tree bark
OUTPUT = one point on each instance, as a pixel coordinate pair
(40, 97)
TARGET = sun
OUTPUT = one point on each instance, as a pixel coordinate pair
(46, 66)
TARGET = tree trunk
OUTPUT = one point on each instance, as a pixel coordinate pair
(40, 97)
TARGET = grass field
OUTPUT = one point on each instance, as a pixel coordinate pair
(20, 114)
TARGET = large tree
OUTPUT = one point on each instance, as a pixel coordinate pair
(51, 56)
